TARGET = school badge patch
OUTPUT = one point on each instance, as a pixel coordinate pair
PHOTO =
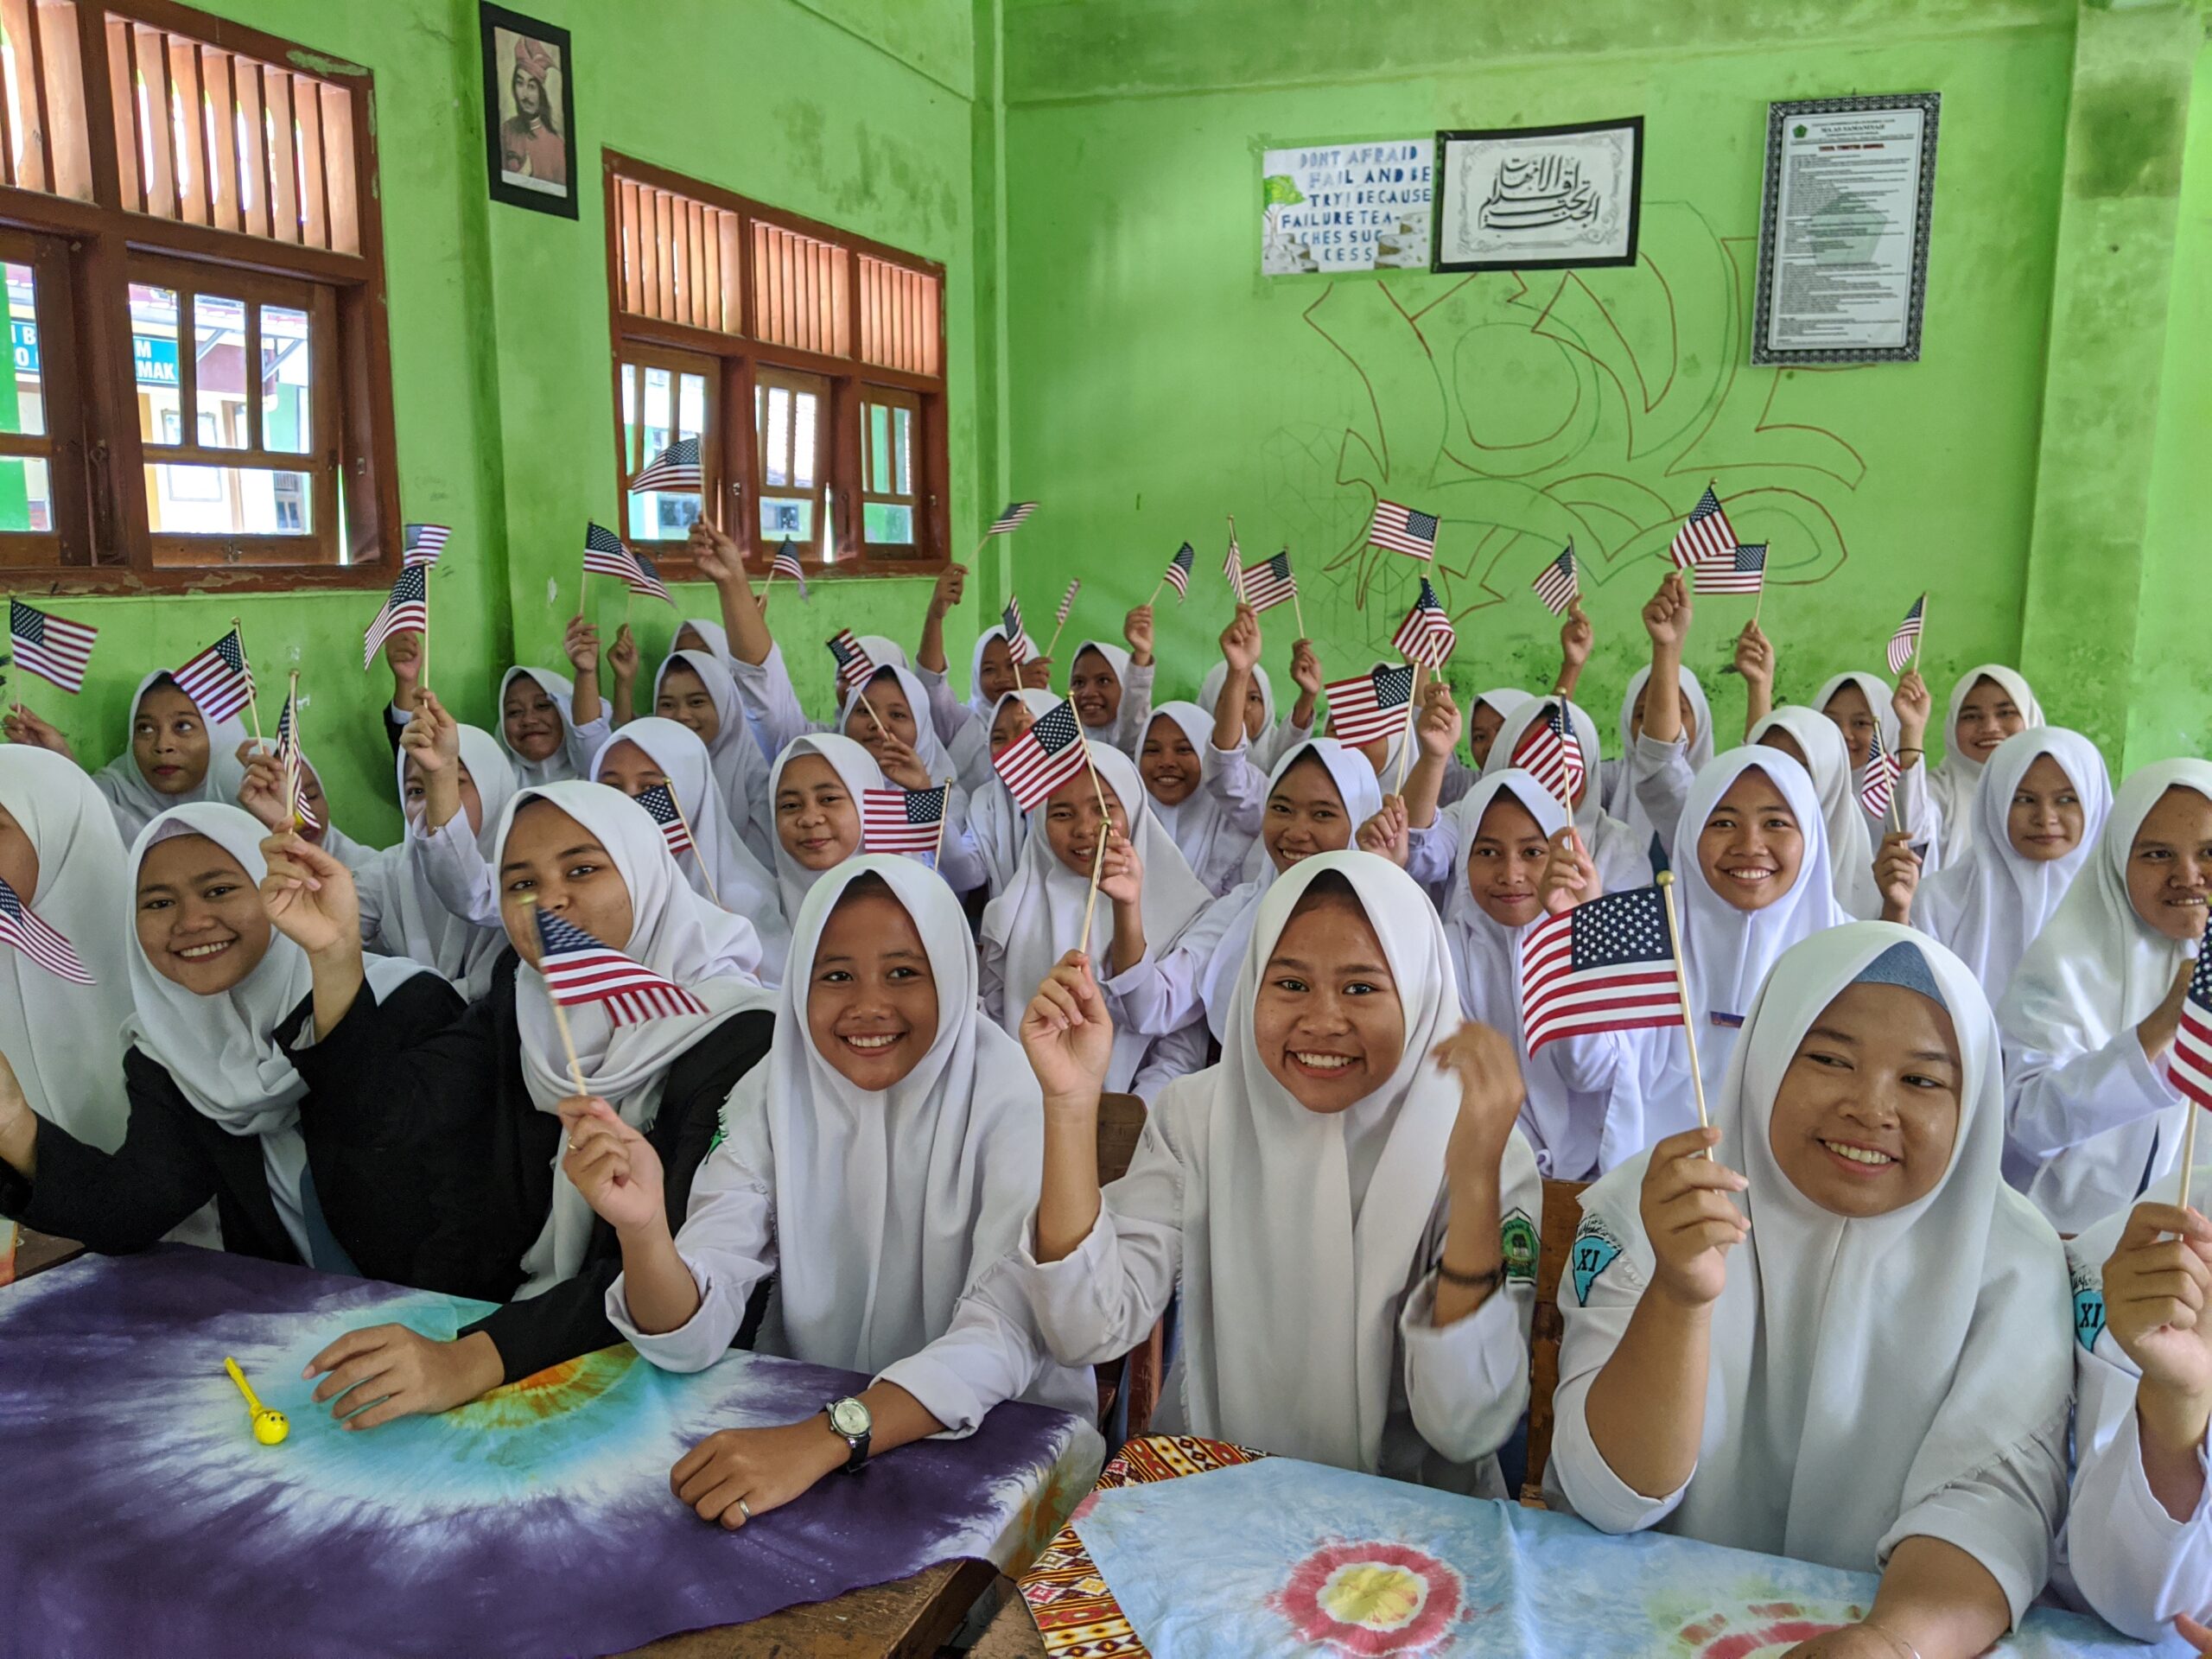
(1595, 1249)
(2088, 1302)
(1516, 1241)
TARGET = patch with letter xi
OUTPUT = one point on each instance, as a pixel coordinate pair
(2088, 1302)
(1595, 1249)
(1517, 1243)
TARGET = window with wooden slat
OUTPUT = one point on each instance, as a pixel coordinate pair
(835, 344)
(195, 304)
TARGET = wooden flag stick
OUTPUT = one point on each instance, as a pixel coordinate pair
(882, 730)
(936, 852)
(1919, 641)
(292, 773)
(1298, 611)
(698, 851)
(422, 669)
(560, 1013)
(1406, 743)
(1682, 985)
(1759, 599)
(1057, 626)
(252, 703)
(2188, 1154)
(1099, 852)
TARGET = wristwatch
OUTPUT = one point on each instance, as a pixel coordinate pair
(850, 1422)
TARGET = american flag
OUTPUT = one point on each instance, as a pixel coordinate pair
(1371, 705)
(675, 470)
(1606, 965)
(407, 606)
(660, 803)
(1178, 573)
(1403, 531)
(901, 820)
(1902, 642)
(1018, 643)
(1880, 781)
(1743, 571)
(1043, 758)
(423, 543)
(2190, 1062)
(1232, 566)
(855, 666)
(1270, 583)
(291, 765)
(1550, 751)
(1067, 604)
(1705, 535)
(606, 555)
(217, 680)
(578, 969)
(786, 565)
(52, 647)
(1427, 635)
(1012, 519)
(1558, 585)
(38, 941)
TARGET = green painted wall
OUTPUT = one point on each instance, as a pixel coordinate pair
(1159, 382)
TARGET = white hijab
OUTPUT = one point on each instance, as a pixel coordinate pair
(1202, 823)
(1827, 758)
(889, 1205)
(737, 756)
(1507, 701)
(984, 709)
(411, 920)
(1952, 783)
(136, 803)
(1990, 905)
(1623, 859)
(1294, 1269)
(1621, 803)
(564, 761)
(225, 1052)
(857, 768)
(713, 632)
(1039, 917)
(1210, 695)
(2096, 969)
(1117, 659)
(934, 758)
(998, 826)
(720, 867)
(1877, 693)
(65, 1042)
(1862, 1366)
(1487, 955)
(1362, 798)
(707, 952)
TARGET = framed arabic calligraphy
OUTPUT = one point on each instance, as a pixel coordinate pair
(1539, 198)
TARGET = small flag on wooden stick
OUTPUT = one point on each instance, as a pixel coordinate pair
(55, 649)
(1403, 530)
(902, 820)
(1558, 584)
(41, 943)
(1705, 535)
(217, 680)
(1605, 965)
(578, 969)
(1427, 635)
(1371, 705)
(1904, 643)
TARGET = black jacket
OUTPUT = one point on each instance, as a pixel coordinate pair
(173, 1160)
(447, 1115)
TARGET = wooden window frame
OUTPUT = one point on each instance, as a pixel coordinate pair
(107, 237)
(891, 397)
(734, 472)
(641, 357)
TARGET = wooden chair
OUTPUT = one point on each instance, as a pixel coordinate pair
(1562, 1214)
(1121, 1123)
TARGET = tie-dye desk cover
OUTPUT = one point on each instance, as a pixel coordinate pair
(141, 1517)
(1254, 1557)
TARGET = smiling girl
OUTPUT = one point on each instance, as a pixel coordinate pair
(1866, 1365)
(695, 689)
(542, 726)
(1336, 1200)
(1988, 704)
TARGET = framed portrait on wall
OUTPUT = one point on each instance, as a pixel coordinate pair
(1539, 198)
(529, 112)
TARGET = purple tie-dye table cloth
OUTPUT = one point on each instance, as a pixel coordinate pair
(1278, 1558)
(141, 1516)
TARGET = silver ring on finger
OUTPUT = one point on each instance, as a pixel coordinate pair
(745, 1508)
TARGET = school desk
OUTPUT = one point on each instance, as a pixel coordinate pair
(31, 1252)
(143, 1517)
(1193, 1550)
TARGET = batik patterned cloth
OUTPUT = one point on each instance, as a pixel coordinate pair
(1276, 1558)
(141, 1515)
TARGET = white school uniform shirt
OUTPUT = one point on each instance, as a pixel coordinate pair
(1215, 825)
(1126, 730)
(1303, 1245)
(1952, 783)
(1196, 972)
(434, 898)
(1623, 859)
(576, 742)
(2094, 1120)
(674, 932)
(2124, 1558)
(1989, 907)
(1827, 759)
(1570, 1090)
(1912, 806)
(1870, 1379)
(1039, 918)
(136, 803)
(741, 769)
(884, 1217)
(1622, 795)
(64, 1041)
(720, 867)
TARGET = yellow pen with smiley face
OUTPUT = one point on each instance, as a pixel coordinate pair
(270, 1428)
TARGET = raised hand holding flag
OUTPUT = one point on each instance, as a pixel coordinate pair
(2189, 1067)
